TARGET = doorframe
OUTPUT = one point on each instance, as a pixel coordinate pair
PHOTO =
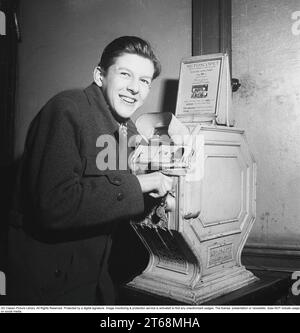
(211, 27)
(8, 71)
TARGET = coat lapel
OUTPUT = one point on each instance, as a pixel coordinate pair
(99, 107)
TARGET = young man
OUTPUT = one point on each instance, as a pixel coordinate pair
(70, 197)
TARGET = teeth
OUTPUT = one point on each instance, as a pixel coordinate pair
(128, 99)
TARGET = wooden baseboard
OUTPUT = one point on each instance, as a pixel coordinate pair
(279, 258)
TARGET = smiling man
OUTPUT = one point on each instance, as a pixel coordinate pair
(68, 204)
(126, 84)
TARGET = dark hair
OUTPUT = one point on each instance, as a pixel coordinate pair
(131, 45)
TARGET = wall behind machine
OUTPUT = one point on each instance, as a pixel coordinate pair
(266, 59)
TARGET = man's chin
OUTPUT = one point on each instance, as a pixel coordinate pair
(127, 112)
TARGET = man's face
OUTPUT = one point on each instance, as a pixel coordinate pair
(126, 84)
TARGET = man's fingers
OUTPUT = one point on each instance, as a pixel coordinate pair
(154, 195)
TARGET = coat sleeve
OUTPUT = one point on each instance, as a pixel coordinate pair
(63, 196)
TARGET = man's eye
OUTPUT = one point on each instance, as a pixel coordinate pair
(125, 74)
(146, 82)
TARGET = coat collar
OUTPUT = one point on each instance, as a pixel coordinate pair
(95, 97)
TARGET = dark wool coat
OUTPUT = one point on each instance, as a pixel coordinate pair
(59, 253)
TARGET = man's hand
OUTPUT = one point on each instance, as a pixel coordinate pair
(156, 184)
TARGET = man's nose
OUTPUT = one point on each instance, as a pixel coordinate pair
(133, 86)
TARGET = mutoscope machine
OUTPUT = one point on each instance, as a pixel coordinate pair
(196, 233)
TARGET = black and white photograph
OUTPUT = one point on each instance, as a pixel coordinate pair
(150, 157)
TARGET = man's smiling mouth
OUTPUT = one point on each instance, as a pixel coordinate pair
(127, 99)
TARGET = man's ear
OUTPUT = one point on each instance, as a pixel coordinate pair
(98, 77)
